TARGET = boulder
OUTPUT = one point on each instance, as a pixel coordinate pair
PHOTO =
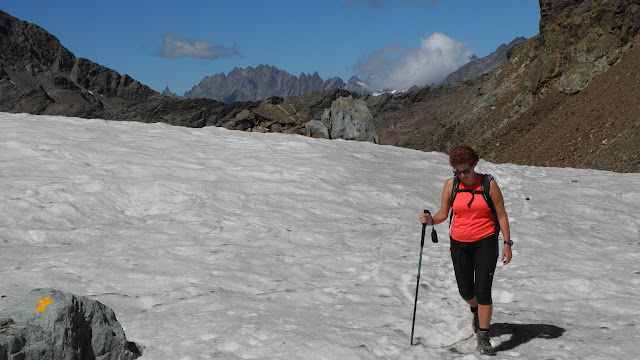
(284, 114)
(317, 129)
(350, 119)
(246, 119)
(50, 324)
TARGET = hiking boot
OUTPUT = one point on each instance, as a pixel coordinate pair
(475, 323)
(484, 344)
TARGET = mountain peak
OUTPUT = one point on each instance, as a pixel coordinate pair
(168, 93)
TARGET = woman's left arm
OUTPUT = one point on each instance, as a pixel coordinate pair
(503, 220)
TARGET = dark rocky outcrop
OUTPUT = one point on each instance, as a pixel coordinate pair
(578, 41)
(39, 76)
(50, 324)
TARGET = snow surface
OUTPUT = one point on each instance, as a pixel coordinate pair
(210, 243)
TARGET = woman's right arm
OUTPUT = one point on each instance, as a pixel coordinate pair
(445, 205)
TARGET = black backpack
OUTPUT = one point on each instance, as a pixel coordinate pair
(486, 183)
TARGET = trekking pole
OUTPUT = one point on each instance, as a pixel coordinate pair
(415, 305)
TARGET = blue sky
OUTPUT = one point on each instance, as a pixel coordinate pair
(177, 43)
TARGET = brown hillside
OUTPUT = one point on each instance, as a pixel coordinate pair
(596, 128)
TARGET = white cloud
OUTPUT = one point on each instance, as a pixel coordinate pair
(398, 67)
(174, 45)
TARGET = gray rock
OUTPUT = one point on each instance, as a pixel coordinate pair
(350, 119)
(67, 327)
(576, 79)
(318, 129)
(276, 127)
(326, 118)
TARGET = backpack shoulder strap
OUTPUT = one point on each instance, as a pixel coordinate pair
(454, 192)
(456, 187)
(486, 186)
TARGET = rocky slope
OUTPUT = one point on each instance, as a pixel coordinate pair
(39, 75)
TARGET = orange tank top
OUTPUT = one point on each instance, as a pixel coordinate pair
(475, 222)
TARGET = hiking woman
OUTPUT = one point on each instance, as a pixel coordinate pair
(474, 237)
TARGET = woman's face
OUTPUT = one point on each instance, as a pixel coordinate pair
(464, 171)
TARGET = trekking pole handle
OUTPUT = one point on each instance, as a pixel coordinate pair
(426, 212)
(424, 227)
(434, 234)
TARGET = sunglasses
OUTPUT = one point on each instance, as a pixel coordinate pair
(463, 171)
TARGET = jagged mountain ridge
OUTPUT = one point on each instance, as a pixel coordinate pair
(265, 81)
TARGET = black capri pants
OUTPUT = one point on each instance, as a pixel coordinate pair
(474, 264)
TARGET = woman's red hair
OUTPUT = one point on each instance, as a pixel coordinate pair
(463, 154)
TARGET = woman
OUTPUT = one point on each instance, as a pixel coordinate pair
(474, 238)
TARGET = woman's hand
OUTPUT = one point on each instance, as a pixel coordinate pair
(426, 219)
(506, 254)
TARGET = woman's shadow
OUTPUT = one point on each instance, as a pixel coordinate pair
(523, 333)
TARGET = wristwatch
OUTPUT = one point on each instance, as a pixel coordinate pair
(510, 242)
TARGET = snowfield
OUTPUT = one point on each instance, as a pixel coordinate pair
(217, 244)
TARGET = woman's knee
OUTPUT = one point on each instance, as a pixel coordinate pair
(467, 294)
(484, 298)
